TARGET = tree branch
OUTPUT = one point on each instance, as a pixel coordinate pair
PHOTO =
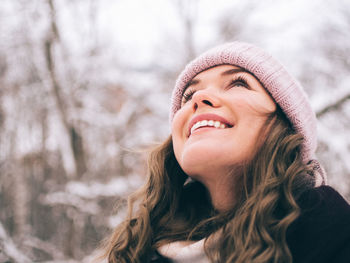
(10, 249)
(336, 105)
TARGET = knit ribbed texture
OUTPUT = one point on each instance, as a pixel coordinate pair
(284, 89)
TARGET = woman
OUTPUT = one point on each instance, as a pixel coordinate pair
(237, 180)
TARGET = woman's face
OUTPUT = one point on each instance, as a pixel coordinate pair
(223, 113)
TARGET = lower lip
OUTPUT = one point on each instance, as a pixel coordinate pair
(200, 130)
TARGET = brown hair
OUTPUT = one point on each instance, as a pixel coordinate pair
(254, 231)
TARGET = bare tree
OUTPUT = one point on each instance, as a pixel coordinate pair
(75, 139)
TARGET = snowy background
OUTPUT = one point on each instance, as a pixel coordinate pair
(85, 88)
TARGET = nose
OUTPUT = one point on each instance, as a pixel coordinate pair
(203, 98)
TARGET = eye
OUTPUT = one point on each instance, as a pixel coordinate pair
(187, 95)
(240, 81)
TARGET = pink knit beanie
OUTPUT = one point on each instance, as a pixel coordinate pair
(285, 90)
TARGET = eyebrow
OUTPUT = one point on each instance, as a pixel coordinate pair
(225, 73)
(233, 71)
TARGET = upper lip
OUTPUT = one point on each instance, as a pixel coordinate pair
(207, 116)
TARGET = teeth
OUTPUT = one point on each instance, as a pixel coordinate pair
(195, 126)
(211, 123)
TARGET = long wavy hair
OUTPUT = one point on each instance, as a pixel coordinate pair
(169, 208)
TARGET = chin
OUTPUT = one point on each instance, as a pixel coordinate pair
(199, 165)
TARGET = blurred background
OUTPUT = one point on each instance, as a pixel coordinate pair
(85, 88)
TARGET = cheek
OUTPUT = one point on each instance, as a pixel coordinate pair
(178, 122)
(177, 126)
(177, 145)
(264, 104)
(259, 105)
(253, 134)
(177, 131)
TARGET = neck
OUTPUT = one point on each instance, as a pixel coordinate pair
(224, 191)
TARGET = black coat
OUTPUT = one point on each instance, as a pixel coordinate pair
(321, 234)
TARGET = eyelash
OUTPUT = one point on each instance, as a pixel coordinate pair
(238, 80)
(188, 95)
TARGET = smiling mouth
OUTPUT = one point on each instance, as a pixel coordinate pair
(209, 124)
